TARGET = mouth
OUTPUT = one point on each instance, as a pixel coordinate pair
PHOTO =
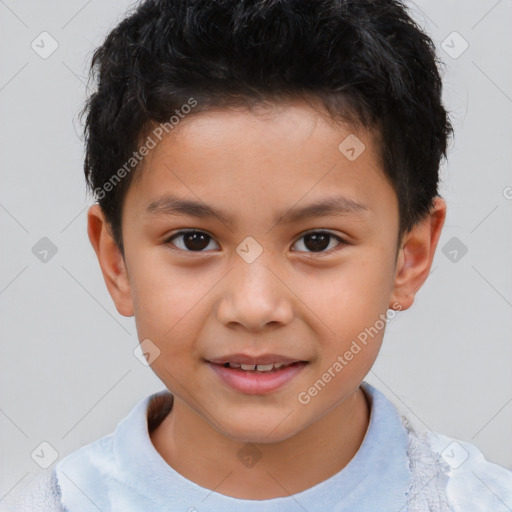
(258, 368)
(256, 378)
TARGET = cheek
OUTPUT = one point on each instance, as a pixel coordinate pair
(350, 296)
(166, 302)
(164, 294)
(351, 303)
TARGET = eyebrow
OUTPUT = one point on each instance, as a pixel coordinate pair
(332, 206)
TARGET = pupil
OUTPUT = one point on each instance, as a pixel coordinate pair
(196, 240)
(318, 241)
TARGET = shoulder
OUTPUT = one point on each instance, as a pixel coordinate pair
(93, 458)
(455, 476)
(108, 469)
(474, 483)
(87, 465)
(43, 493)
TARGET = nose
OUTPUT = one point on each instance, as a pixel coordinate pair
(254, 297)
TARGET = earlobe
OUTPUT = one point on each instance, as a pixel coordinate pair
(416, 255)
(111, 261)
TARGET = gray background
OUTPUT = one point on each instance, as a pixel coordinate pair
(68, 373)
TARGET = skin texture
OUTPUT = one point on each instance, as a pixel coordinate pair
(291, 300)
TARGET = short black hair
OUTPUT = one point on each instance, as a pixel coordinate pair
(366, 61)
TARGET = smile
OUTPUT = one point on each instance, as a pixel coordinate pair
(258, 367)
(252, 379)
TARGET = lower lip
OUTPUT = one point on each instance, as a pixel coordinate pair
(256, 383)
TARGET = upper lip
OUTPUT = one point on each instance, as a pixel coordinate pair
(261, 359)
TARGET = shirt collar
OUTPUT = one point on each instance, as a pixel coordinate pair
(379, 469)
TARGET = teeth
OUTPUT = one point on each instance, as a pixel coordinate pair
(265, 367)
(259, 367)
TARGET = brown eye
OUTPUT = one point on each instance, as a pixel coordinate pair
(319, 241)
(191, 241)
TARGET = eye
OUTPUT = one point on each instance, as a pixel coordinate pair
(192, 241)
(198, 241)
(318, 241)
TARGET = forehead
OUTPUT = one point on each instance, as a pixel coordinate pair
(284, 155)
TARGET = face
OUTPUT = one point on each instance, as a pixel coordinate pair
(226, 253)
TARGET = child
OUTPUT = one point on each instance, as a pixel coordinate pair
(297, 143)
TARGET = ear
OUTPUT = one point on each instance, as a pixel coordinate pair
(416, 254)
(110, 259)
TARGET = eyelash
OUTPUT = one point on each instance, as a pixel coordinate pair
(171, 246)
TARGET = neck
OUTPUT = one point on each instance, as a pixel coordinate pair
(258, 471)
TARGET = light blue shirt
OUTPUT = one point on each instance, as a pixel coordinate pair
(123, 472)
